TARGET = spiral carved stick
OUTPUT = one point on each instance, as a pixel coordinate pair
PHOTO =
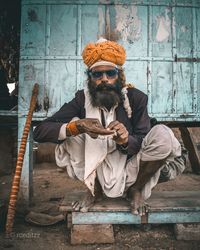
(19, 164)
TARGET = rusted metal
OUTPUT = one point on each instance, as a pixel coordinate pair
(186, 59)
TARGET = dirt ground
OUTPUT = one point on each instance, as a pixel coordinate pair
(51, 185)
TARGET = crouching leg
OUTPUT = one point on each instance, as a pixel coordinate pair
(71, 155)
(146, 171)
(89, 199)
(158, 147)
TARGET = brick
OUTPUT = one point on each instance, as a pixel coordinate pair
(187, 231)
(92, 234)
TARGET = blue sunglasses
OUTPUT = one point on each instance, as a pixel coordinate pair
(112, 73)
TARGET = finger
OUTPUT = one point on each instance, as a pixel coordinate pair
(96, 128)
(134, 211)
(84, 209)
(119, 126)
(140, 210)
(101, 131)
(147, 207)
(92, 123)
(113, 124)
(121, 131)
(122, 136)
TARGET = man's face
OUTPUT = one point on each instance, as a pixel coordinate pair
(104, 74)
(104, 86)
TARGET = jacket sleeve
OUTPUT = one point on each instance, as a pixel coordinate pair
(140, 125)
(48, 130)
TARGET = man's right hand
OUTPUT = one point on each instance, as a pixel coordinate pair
(91, 126)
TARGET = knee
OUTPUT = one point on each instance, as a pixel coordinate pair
(161, 133)
(160, 139)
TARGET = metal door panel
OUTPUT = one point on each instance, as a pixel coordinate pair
(187, 2)
(92, 23)
(128, 25)
(198, 89)
(183, 20)
(197, 23)
(136, 74)
(60, 87)
(161, 88)
(33, 30)
(197, 65)
(161, 31)
(81, 75)
(63, 26)
(127, 2)
(184, 88)
(31, 71)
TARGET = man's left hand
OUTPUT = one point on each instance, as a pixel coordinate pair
(121, 133)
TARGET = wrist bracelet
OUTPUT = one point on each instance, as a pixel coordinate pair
(122, 149)
(72, 128)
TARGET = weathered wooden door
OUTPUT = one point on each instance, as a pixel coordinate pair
(162, 40)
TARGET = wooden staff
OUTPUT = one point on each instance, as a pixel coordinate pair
(19, 164)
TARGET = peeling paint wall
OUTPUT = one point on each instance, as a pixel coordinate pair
(164, 28)
(128, 23)
(162, 40)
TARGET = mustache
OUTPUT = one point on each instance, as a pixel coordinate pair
(106, 86)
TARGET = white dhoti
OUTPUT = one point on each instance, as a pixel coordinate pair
(85, 158)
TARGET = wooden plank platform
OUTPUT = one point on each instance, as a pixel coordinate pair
(164, 207)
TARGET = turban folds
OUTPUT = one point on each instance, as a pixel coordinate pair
(108, 51)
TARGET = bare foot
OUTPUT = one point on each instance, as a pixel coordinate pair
(138, 206)
(87, 202)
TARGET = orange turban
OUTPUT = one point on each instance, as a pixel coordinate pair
(104, 50)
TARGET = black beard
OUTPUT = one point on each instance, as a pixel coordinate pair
(105, 95)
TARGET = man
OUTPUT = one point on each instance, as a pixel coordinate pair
(104, 134)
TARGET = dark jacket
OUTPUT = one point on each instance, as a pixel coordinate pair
(138, 125)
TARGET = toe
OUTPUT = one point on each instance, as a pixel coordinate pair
(76, 206)
(134, 209)
(84, 209)
(141, 210)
